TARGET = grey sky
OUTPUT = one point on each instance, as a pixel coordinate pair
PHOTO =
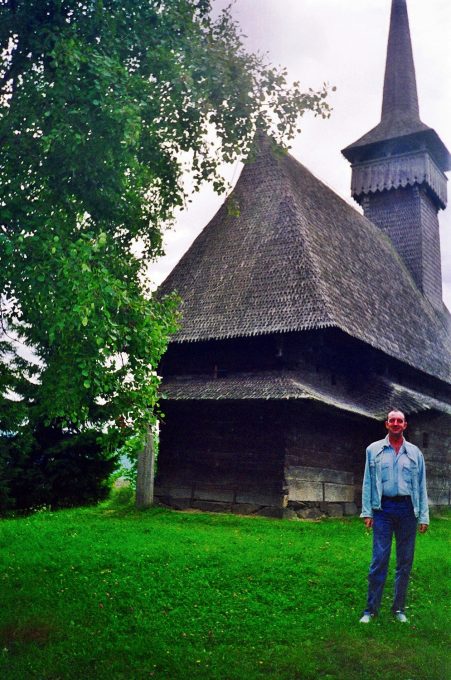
(342, 42)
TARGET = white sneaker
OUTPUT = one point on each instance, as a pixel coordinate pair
(401, 617)
(366, 618)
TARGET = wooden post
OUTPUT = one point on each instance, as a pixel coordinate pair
(145, 476)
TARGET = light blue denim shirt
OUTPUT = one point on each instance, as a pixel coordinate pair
(396, 476)
(414, 475)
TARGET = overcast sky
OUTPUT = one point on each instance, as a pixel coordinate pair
(344, 43)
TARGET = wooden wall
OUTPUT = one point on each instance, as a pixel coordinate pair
(221, 456)
(260, 456)
(273, 457)
(325, 454)
(432, 433)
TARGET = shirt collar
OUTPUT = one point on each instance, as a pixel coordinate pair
(388, 445)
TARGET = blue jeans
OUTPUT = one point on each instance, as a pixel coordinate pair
(398, 518)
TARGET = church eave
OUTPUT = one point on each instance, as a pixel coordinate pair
(370, 401)
(199, 336)
(393, 352)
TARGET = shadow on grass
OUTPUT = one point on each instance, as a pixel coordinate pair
(33, 631)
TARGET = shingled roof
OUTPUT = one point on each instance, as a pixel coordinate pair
(372, 400)
(400, 110)
(296, 258)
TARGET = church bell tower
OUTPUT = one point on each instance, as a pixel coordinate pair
(398, 168)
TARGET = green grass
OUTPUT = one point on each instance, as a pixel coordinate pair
(109, 592)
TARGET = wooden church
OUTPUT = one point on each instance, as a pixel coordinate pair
(304, 322)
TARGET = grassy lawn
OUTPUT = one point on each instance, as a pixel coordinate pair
(109, 592)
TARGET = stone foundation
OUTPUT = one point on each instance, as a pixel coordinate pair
(287, 510)
(311, 510)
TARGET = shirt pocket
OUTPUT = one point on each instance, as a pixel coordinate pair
(385, 472)
(409, 471)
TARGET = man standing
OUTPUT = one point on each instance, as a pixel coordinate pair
(394, 500)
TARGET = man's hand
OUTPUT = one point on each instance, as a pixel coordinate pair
(369, 522)
(422, 528)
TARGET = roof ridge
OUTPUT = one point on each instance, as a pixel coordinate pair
(311, 256)
(363, 334)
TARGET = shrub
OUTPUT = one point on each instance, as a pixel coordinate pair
(55, 468)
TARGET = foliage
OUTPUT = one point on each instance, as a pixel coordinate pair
(53, 469)
(104, 104)
(6, 500)
(113, 593)
(121, 497)
(128, 455)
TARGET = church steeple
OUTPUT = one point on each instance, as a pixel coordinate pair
(400, 87)
(398, 167)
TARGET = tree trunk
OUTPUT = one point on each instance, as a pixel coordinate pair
(145, 476)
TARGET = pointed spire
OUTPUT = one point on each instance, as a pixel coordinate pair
(400, 88)
(400, 120)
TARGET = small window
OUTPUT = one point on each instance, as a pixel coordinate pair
(425, 440)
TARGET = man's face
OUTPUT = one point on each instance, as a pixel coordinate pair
(395, 423)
